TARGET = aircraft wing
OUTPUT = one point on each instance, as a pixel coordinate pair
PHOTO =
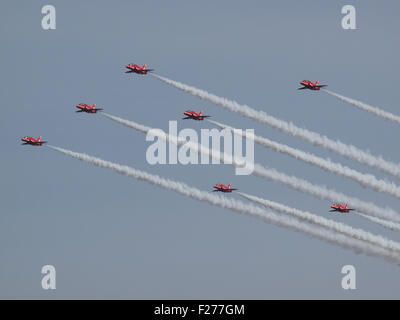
(321, 86)
(302, 88)
(34, 143)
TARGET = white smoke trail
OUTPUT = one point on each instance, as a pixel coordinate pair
(348, 151)
(321, 192)
(365, 180)
(384, 223)
(326, 223)
(238, 206)
(324, 193)
(366, 107)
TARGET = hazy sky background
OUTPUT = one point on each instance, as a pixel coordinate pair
(113, 237)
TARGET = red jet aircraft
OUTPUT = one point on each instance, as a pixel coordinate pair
(223, 188)
(32, 141)
(307, 84)
(195, 116)
(86, 108)
(136, 69)
(340, 208)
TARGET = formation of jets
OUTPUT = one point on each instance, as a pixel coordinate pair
(194, 116)
(134, 68)
(307, 84)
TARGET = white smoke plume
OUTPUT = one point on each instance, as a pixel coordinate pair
(326, 223)
(365, 180)
(384, 223)
(322, 192)
(318, 191)
(366, 107)
(348, 151)
(238, 206)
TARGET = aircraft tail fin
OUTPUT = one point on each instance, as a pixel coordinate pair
(144, 66)
(317, 82)
(40, 138)
(94, 105)
(346, 206)
(229, 185)
(201, 112)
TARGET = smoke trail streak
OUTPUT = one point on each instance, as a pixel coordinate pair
(324, 193)
(348, 151)
(326, 223)
(384, 223)
(321, 192)
(365, 180)
(366, 107)
(238, 206)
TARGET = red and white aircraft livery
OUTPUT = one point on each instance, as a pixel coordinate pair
(32, 141)
(83, 107)
(136, 69)
(307, 84)
(195, 116)
(341, 208)
(223, 188)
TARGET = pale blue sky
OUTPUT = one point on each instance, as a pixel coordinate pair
(112, 237)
